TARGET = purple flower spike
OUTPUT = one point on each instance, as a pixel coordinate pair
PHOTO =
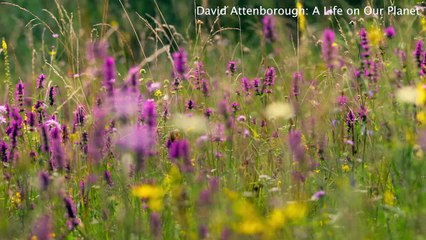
(3, 151)
(70, 207)
(40, 81)
(155, 223)
(44, 179)
(418, 54)
(246, 85)
(109, 75)
(328, 48)
(295, 84)
(269, 28)
(79, 116)
(133, 80)
(108, 178)
(180, 59)
(19, 95)
(232, 67)
(179, 149)
(52, 95)
(42, 229)
(150, 113)
(57, 156)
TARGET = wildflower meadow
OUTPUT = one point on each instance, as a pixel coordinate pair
(124, 119)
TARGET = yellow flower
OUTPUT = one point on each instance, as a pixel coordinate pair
(250, 227)
(346, 168)
(147, 191)
(423, 23)
(300, 17)
(389, 198)
(421, 117)
(4, 44)
(16, 199)
(152, 193)
(276, 219)
(295, 211)
(158, 93)
(421, 94)
(375, 35)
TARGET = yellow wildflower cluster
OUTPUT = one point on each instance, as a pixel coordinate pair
(301, 19)
(4, 45)
(16, 199)
(153, 194)
(375, 35)
(250, 222)
(346, 168)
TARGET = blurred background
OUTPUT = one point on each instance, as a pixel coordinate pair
(92, 19)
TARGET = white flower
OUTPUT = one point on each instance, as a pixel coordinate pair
(279, 110)
(195, 124)
(407, 94)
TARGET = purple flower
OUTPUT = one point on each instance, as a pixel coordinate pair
(218, 134)
(109, 75)
(365, 52)
(13, 130)
(44, 180)
(31, 120)
(231, 67)
(19, 95)
(328, 48)
(390, 32)
(318, 195)
(235, 107)
(205, 89)
(270, 76)
(155, 224)
(57, 156)
(208, 112)
(97, 141)
(108, 178)
(180, 59)
(42, 228)
(342, 100)
(96, 50)
(140, 139)
(295, 84)
(150, 113)
(153, 86)
(350, 120)
(203, 232)
(418, 54)
(79, 116)
(52, 95)
(190, 104)
(256, 86)
(246, 85)
(198, 73)
(3, 151)
(40, 81)
(362, 113)
(297, 147)
(70, 207)
(269, 28)
(133, 79)
(179, 149)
